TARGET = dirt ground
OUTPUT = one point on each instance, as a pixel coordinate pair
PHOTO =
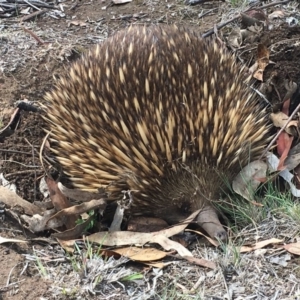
(28, 66)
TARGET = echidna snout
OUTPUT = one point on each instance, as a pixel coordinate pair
(162, 113)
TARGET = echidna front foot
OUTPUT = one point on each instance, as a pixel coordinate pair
(208, 220)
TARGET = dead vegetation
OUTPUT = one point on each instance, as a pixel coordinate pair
(38, 41)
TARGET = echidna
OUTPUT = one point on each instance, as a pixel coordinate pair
(161, 112)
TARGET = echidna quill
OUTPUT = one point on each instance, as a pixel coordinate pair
(161, 112)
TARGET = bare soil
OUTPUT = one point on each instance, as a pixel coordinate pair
(27, 68)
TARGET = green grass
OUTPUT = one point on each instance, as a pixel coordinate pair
(272, 202)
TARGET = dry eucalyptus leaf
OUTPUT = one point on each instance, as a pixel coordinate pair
(201, 262)
(74, 232)
(146, 224)
(281, 260)
(262, 60)
(212, 241)
(279, 120)
(293, 159)
(44, 188)
(60, 202)
(77, 23)
(273, 162)
(67, 245)
(250, 177)
(235, 38)
(288, 177)
(263, 56)
(122, 238)
(118, 218)
(277, 14)
(260, 244)
(141, 254)
(4, 182)
(81, 208)
(6, 240)
(11, 200)
(258, 74)
(293, 248)
(38, 223)
(78, 195)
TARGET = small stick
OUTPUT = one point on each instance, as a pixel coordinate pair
(40, 41)
(33, 15)
(15, 151)
(33, 6)
(23, 172)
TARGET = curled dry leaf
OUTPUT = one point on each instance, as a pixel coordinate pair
(118, 218)
(258, 74)
(262, 60)
(79, 209)
(74, 232)
(38, 223)
(293, 159)
(11, 126)
(60, 202)
(288, 177)
(7, 184)
(263, 56)
(235, 38)
(273, 162)
(277, 14)
(11, 200)
(250, 177)
(58, 199)
(291, 88)
(280, 120)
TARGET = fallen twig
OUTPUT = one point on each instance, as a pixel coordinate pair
(33, 15)
(40, 41)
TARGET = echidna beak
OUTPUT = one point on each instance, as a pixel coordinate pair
(208, 220)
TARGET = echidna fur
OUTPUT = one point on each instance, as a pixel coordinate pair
(158, 111)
